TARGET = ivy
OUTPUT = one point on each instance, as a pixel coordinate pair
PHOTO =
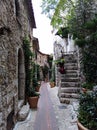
(45, 71)
(28, 61)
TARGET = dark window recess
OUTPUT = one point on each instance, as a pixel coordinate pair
(17, 7)
(4, 29)
(10, 122)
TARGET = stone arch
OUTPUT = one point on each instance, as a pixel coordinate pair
(21, 75)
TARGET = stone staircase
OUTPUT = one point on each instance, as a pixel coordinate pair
(70, 86)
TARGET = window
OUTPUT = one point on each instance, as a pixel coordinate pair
(17, 8)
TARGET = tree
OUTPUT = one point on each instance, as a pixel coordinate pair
(48, 7)
(57, 10)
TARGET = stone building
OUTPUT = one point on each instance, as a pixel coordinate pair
(41, 59)
(16, 22)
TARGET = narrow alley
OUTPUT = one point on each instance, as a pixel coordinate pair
(45, 118)
(50, 114)
(48, 65)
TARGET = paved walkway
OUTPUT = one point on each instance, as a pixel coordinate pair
(45, 118)
(63, 117)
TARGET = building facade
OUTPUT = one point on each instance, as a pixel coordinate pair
(16, 22)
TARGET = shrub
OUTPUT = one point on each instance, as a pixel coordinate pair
(88, 85)
(88, 110)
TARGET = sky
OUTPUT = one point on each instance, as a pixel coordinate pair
(43, 30)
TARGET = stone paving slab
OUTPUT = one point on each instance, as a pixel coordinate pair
(28, 124)
(65, 114)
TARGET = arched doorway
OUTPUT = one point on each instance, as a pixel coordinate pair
(21, 75)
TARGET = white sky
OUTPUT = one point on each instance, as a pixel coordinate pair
(43, 30)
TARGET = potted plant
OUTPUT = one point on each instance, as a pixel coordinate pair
(38, 86)
(87, 112)
(33, 97)
(60, 63)
(52, 83)
(52, 79)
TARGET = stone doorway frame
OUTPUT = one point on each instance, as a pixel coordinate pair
(21, 75)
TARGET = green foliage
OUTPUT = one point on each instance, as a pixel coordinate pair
(80, 42)
(53, 74)
(31, 92)
(33, 82)
(50, 61)
(59, 61)
(88, 110)
(28, 61)
(59, 18)
(38, 72)
(63, 32)
(90, 25)
(48, 7)
(88, 85)
(89, 60)
(45, 70)
(80, 19)
(27, 50)
(30, 69)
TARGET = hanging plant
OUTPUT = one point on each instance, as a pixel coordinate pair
(60, 62)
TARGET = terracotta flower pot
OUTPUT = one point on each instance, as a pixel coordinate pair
(37, 89)
(52, 84)
(33, 101)
(81, 127)
(84, 90)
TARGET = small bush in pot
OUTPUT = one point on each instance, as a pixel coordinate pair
(88, 110)
(33, 97)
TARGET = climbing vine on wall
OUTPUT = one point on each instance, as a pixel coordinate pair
(28, 61)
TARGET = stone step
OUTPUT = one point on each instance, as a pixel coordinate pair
(69, 79)
(70, 67)
(69, 75)
(23, 113)
(69, 84)
(20, 104)
(69, 56)
(70, 90)
(69, 95)
(70, 61)
(68, 100)
(71, 71)
(70, 64)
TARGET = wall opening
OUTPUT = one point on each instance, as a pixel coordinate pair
(10, 122)
(21, 75)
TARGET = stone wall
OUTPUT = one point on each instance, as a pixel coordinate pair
(12, 31)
